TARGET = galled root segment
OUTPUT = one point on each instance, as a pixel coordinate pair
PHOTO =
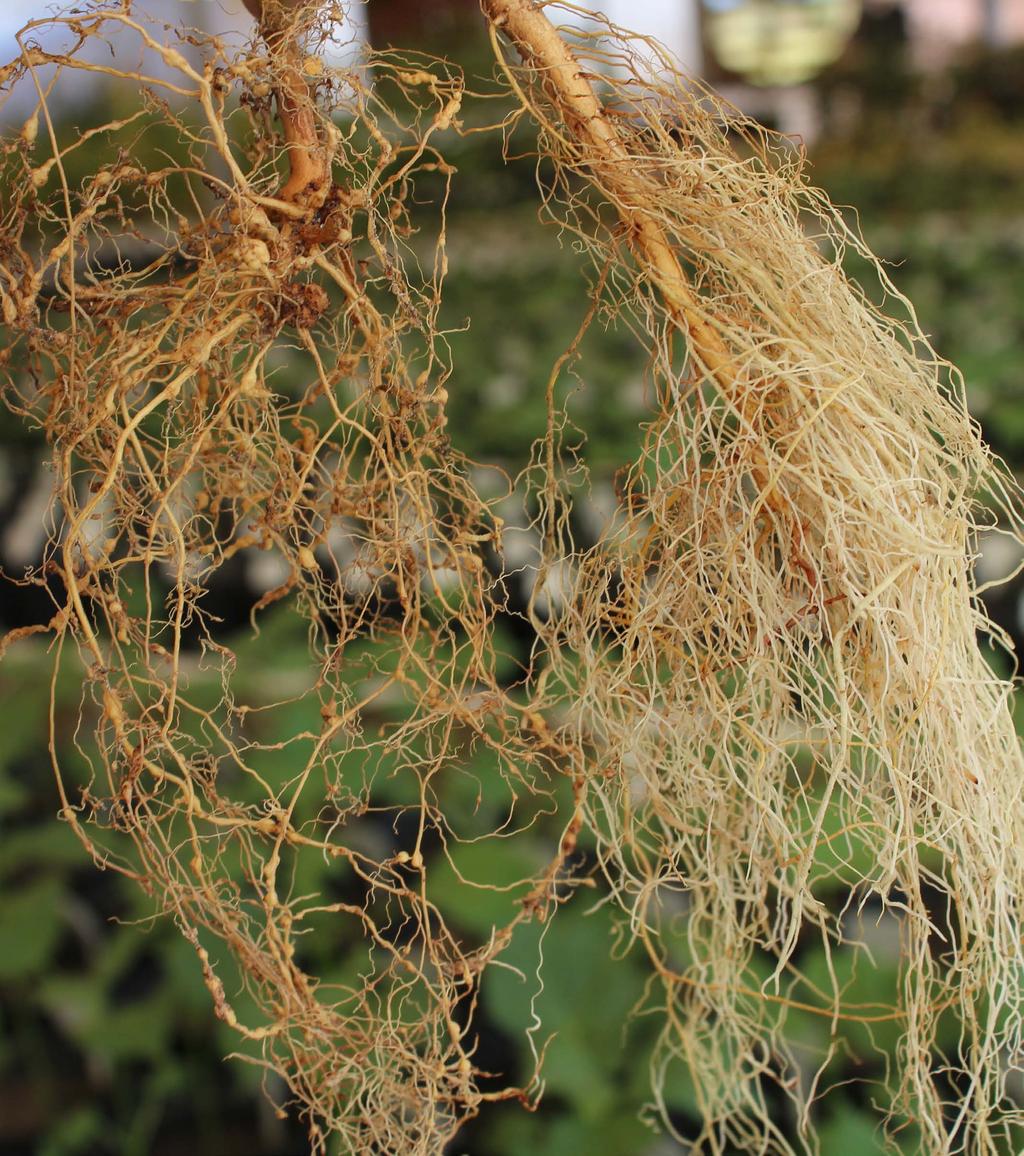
(228, 367)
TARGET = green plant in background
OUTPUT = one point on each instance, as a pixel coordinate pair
(597, 1019)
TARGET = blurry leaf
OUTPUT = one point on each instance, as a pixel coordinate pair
(610, 1132)
(30, 926)
(161, 1082)
(597, 1055)
(853, 1132)
(584, 999)
(79, 1134)
(49, 844)
(139, 1031)
(13, 796)
(25, 705)
(486, 895)
(75, 1003)
(119, 953)
(868, 1031)
(80, 1007)
(843, 853)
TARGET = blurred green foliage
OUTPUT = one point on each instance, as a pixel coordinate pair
(108, 1044)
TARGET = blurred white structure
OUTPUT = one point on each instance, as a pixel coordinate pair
(225, 18)
(690, 29)
(937, 28)
(676, 23)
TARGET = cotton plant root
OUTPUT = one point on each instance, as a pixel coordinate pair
(780, 628)
(765, 676)
(232, 348)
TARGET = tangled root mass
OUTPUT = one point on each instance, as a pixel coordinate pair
(765, 678)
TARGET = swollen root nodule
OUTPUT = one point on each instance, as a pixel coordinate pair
(230, 340)
(764, 687)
